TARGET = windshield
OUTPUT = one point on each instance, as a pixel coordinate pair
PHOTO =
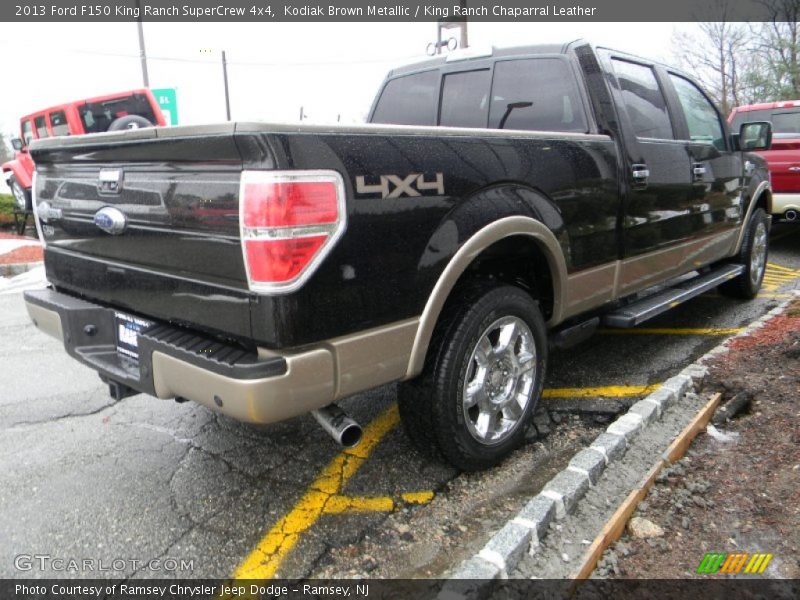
(98, 116)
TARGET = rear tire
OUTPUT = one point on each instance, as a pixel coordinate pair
(482, 379)
(753, 255)
(22, 197)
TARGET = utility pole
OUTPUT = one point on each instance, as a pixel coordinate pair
(142, 51)
(225, 78)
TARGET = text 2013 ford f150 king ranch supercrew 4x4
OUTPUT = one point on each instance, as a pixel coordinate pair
(496, 205)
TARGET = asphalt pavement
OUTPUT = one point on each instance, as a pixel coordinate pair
(152, 488)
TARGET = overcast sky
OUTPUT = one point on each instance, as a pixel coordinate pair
(330, 69)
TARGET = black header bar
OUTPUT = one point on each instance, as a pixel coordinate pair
(389, 10)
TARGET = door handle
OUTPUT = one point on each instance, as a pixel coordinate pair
(698, 170)
(794, 169)
(749, 168)
(640, 173)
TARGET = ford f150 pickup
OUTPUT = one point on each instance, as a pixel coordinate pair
(496, 206)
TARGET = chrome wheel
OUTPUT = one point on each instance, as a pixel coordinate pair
(758, 254)
(19, 196)
(500, 376)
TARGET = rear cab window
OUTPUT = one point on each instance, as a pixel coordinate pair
(409, 100)
(465, 99)
(536, 94)
(539, 94)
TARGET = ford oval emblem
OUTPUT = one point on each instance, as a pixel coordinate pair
(111, 220)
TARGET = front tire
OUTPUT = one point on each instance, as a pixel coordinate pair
(753, 255)
(22, 197)
(482, 379)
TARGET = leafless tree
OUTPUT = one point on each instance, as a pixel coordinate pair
(776, 46)
(720, 58)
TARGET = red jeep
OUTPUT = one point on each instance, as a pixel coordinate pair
(784, 155)
(125, 110)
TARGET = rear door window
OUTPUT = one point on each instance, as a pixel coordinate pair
(643, 99)
(58, 123)
(409, 100)
(538, 94)
(41, 127)
(465, 99)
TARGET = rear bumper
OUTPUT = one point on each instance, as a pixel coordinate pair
(255, 387)
(781, 202)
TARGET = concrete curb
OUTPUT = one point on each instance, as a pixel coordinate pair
(13, 269)
(559, 496)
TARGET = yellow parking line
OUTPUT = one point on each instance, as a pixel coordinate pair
(340, 504)
(611, 391)
(417, 497)
(782, 268)
(264, 561)
(673, 331)
(324, 496)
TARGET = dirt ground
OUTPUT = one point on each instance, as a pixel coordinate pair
(737, 495)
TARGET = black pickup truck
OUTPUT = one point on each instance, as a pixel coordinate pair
(496, 205)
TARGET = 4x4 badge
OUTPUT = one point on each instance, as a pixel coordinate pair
(395, 186)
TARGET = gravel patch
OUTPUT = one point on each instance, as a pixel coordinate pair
(558, 556)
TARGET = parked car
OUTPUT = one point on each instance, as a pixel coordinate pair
(783, 157)
(496, 205)
(115, 112)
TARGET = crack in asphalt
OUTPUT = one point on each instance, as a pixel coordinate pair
(24, 425)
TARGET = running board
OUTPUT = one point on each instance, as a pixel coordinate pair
(646, 308)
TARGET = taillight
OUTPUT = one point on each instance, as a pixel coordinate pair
(289, 221)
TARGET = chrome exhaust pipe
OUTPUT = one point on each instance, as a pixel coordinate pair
(790, 215)
(338, 425)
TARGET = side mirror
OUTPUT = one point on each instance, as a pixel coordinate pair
(756, 135)
(17, 144)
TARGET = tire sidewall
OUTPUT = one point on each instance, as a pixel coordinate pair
(14, 184)
(495, 304)
(758, 216)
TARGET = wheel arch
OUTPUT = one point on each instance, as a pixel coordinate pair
(761, 197)
(15, 168)
(524, 228)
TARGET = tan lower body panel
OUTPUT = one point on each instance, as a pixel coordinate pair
(596, 286)
(314, 378)
(308, 384)
(371, 358)
(641, 272)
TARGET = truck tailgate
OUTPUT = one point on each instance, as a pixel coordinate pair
(177, 255)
